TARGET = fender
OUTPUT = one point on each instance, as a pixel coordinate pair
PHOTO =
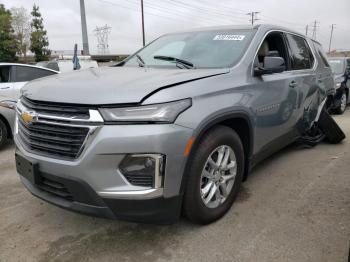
(208, 123)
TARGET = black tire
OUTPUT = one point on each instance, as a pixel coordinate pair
(341, 109)
(3, 134)
(194, 208)
(330, 128)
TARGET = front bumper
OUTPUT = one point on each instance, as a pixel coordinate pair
(97, 186)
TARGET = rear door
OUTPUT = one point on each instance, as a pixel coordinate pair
(24, 74)
(6, 83)
(310, 86)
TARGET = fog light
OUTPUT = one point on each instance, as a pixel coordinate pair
(145, 170)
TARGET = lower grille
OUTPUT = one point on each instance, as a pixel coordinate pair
(55, 188)
(140, 180)
(54, 140)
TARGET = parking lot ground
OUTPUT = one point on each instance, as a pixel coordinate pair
(295, 206)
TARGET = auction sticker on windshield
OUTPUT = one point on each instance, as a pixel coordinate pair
(229, 37)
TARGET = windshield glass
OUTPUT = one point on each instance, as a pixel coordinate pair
(205, 49)
(337, 66)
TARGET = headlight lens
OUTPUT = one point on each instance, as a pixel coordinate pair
(337, 85)
(158, 113)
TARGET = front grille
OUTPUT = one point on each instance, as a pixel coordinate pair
(55, 188)
(54, 137)
(140, 180)
(56, 109)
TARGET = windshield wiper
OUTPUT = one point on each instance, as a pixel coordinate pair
(184, 63)
(140, 61)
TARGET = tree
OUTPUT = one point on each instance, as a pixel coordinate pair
(22, 28)
(39, 41)
(8, 42)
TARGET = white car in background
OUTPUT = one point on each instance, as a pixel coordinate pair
(64, 64)
(12, 78)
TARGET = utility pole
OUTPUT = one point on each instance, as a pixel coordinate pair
(253, 17)
(143, 25)
(306, 29)
(330, 39)
(84, 29)
(314, 29)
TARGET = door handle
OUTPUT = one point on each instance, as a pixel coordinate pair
(6, 87)
(293, 84)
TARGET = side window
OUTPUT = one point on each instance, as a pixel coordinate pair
(53, 66)
(301, 55)
(5, 74)
(322, 55)
(24, 73)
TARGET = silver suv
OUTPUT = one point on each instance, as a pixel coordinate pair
(175, 128)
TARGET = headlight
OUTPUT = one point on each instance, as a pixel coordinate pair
(337, 85)
(156, 113)
(8, 104)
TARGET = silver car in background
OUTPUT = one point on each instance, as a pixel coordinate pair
(176, 127)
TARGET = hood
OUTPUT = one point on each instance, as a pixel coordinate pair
(110, 85)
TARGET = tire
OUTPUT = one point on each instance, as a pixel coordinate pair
(194, 207)
(3, 134)
(343, 102)
(330, 128)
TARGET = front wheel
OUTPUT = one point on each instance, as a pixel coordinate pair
(3, 133)
(215, 175)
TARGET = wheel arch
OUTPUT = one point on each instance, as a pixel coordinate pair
(240, 122)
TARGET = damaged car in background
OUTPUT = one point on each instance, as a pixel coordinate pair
(176, 127)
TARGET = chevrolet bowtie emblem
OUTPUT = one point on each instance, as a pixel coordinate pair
(29, 117)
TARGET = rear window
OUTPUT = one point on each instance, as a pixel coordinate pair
(301, 54)
(24, 73)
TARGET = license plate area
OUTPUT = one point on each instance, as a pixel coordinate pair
(27, 169)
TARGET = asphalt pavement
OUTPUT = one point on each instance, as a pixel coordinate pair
(295, 206)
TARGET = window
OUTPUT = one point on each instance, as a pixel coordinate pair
(26, 73)
(301, 55)
(53, 66)
(205, 49)
(4, 74)
(337, 66)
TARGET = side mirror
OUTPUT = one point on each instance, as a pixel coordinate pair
(272, 65)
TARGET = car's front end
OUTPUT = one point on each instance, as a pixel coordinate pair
(69, 156)
(341, 93)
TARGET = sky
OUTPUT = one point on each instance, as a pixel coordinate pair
(62, 19)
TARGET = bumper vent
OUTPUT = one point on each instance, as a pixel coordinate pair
(140, 180)
(55, 188)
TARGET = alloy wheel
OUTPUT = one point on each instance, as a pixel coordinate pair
(218, 176)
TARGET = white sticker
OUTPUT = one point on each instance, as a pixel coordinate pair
(229, 37)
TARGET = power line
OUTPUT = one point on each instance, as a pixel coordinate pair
(253, 17)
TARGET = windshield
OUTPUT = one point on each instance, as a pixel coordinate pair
(206, 49)
(337, 66)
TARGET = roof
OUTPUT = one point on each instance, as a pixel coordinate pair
(243, 27)
(17, 64)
